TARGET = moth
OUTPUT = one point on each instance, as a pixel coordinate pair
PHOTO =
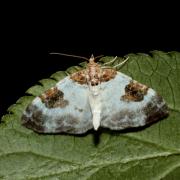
(98, 96)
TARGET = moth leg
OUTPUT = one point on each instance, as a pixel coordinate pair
(114, 67)
(122, 63)
(110, 61)
(67, 73)
(107, 67)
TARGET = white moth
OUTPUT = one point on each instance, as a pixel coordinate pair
(92, 98)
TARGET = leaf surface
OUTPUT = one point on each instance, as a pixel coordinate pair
(149, 153)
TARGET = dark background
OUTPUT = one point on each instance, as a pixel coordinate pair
(25, 43)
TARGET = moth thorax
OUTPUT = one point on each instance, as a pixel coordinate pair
(94, 74)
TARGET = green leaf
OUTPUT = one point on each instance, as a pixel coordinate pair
(150, 153)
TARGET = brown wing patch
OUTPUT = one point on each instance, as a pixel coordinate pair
(53, 98)
(108, 74)
(134, 91)
(79, 77)
(35, 121)
(153, 112)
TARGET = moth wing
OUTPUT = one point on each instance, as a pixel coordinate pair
(124, 106)
(63, 108)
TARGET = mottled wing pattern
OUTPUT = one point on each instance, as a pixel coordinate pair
(127, 103)
(63, 108)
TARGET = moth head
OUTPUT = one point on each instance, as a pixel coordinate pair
(91, 60)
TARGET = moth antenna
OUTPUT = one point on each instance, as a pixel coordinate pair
(97, 57)
(70, 55)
